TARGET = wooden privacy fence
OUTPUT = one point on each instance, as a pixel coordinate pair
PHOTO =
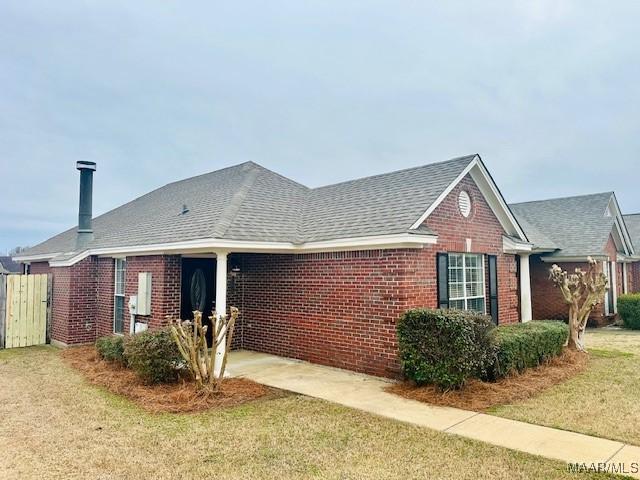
(27, 310)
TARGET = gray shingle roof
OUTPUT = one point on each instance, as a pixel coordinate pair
(633, 226)
(249, 202)
(7, 265)
(577, 226)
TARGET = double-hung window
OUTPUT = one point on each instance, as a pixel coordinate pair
(466, 282)
(118, 296)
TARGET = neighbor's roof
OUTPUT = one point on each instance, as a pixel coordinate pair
(7, 265)
(249, 202)
(575, 226)
(633, 226)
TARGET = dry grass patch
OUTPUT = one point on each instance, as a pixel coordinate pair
(480, 396)
(56, 426)
(174, 398)
(601, 401)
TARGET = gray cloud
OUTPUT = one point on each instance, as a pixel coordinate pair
(321, 92)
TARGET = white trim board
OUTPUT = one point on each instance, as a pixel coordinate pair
(573, 259)
(621, 225)
(406, 240)
(512, 246)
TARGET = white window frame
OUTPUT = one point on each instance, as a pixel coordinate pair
(465, 298)
(123, 268)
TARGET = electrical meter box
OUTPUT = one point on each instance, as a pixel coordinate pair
(144, 294)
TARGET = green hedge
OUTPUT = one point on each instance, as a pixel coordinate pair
(629, 310)
(525, 345)
(444, 347)
(111, 349)
(153, 355)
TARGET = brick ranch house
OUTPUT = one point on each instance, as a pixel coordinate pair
(318, 274)
(566, 231)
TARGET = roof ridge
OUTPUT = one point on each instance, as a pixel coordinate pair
(233, 207)
(277, 174)
(470, 157)
(564, 198)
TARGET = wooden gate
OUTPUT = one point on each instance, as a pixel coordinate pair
(26, 317)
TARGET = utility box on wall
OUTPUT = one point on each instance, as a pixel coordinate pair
(144, 294)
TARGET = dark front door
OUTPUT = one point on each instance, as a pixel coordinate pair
(198, 288)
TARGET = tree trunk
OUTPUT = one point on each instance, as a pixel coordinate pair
(576, 331)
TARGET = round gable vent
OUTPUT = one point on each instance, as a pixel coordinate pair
(464, 203)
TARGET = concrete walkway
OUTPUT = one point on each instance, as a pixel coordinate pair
(367, 393)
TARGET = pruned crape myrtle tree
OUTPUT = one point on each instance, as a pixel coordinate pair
(582, 291)
(206, 367)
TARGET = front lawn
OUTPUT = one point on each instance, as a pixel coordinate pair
(602, 401)
(55, 425)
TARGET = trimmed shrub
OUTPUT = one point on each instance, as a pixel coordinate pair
(111, 349)
(629, 310)
(444, 347)
(153, 355)
(525, 345)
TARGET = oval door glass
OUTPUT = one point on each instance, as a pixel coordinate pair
(198, 290)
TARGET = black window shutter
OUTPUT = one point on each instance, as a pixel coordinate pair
(493, 287)
(443, 280)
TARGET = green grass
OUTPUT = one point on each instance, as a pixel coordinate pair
(54, 425)
(603, 401)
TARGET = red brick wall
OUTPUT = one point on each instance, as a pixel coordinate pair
(37, 268)
(165, 287)
(634, 277)
(105, 278)
(83, 295)
(485, 232)
(73, 318)
(336, 309)
(547, 302)
(341, 308)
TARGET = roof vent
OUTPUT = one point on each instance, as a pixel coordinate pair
(464, 203)
(185, 209)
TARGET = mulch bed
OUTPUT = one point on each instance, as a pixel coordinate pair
(180, 397)
(480, 396)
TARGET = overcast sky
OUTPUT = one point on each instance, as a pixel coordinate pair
(547, 92)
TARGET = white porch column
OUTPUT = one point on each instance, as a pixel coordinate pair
(605, 270)
(221, 300)
(614, 285)
(625, 278)
(525, 288)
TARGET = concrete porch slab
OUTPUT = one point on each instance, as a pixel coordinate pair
(340, 386)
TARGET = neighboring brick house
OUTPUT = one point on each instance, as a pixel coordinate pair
(7, 266)
(566, 231)
(633, 272)
(318, 274)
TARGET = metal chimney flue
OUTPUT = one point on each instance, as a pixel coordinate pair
(85, 227)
